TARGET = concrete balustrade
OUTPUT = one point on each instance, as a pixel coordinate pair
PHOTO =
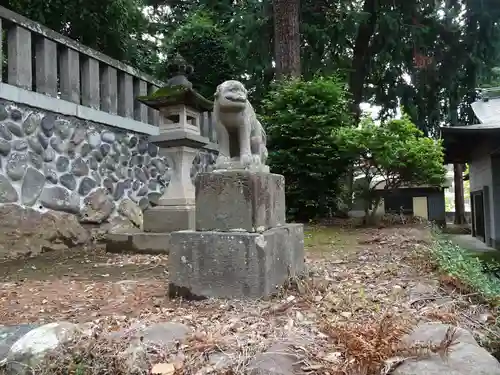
(42, 61)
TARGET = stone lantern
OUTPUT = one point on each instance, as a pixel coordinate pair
(179, 140)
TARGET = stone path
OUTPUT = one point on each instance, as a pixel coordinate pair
(468, 242)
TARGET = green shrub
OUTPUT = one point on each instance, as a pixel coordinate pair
(300, 118)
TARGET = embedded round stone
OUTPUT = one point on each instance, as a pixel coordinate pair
(20, 144)
(48, 124)
(136, 185)
(49, 155)
(153, 172)
(105, 148)
(119, 191)
(79, 167)
(143, 203)
(108, 184)
(121, 172)
(94, 139)
(58, 145)
(115, 157)
(35, 160)
(85, 150)
(109, 163)
(16, 165)
(68, 180)
(16, 114)
(32, 186)
(142, 146)
(152, 149)
(71, 153)
(152, 185)
(62, 128)
(127, 183)
(44, 141)
(108, 137)
(86, 186)
(125, 151)
(132, 142)
(5, 147)
(154, 197)
(78, 136)
(142, 191)
(3, 112)
(113, 177)
(7, 192)
(159, 165)
(5, 132)
(14, 128)
(93, 164)
(59, 199)
(35, 145)
(96, 177)
(98, 156)
(139, 173)
(32, 123)
(50, 174)
(62, 164)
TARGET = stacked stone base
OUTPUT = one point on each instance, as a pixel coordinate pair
(242, 246)
(234, 265)
(138, 243)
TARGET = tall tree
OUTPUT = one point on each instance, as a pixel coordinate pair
(286, 37)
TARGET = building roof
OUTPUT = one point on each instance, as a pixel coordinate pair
(460, 142)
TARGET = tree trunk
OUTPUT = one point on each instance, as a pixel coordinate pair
(361, 57)
(459, 194)
(286, 38)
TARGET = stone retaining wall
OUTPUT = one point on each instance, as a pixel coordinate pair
(54, 162)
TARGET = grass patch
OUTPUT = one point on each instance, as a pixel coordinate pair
(469, 268)
(327, 239)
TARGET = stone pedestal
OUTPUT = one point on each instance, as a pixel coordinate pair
(239, 201)
(163, 219)
(176, 207)
(234, 265)
(242, 247)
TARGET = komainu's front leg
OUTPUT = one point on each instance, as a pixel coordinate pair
(245, 149)
(223, 138)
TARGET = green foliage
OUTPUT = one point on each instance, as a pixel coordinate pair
(394, 153)
(467, 268)
(205, 46)
(300, 117)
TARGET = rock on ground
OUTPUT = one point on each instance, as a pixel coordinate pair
(28, 350)
(465, 358)
(10, 334)
(25, 231)
(277, 360)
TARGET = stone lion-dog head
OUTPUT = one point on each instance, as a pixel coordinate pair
(231, 96)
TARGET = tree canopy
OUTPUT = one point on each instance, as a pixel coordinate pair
(391, 155)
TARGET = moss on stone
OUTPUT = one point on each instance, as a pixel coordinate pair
(172, 95)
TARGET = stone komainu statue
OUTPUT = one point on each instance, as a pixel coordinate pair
(242, 139)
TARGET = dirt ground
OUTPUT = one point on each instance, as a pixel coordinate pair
(356, 279)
